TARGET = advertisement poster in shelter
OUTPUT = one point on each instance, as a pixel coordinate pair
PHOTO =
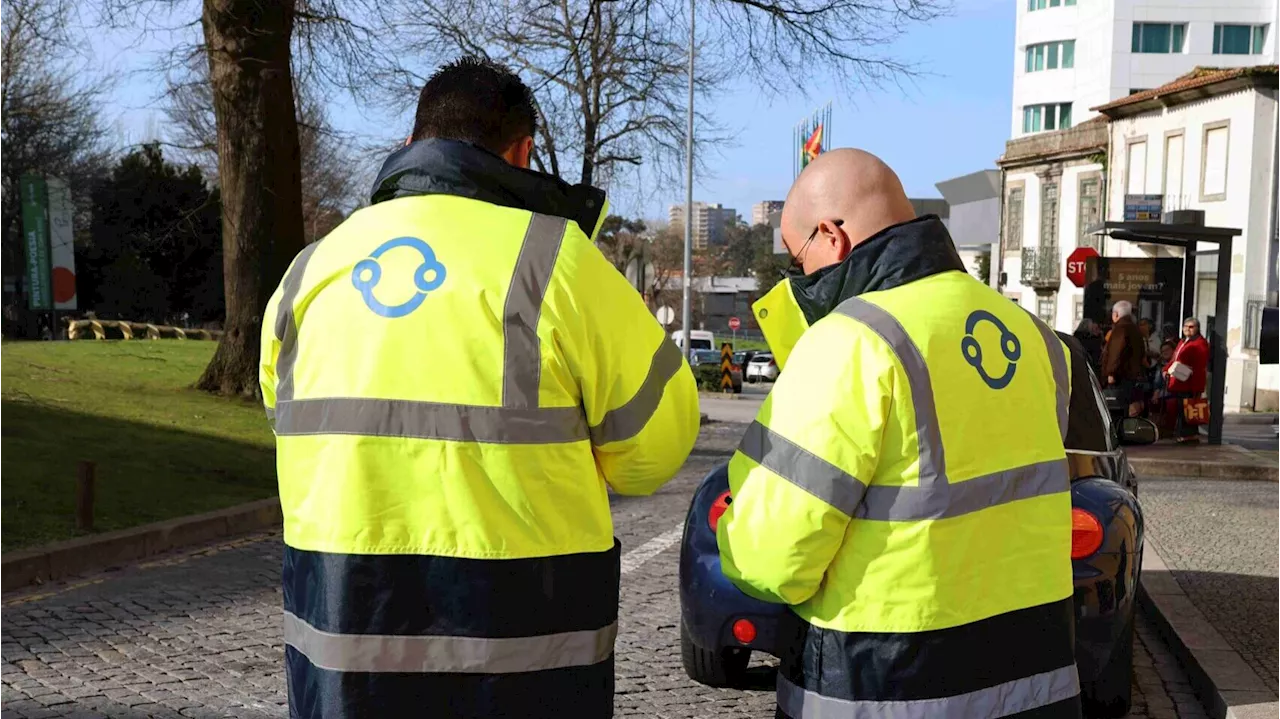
(1152, 284)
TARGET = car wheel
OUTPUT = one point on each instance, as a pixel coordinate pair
(1109, 696)
(724, 668)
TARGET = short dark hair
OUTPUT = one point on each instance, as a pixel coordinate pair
(478, 101)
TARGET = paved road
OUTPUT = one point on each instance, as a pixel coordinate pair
(1219, 539)
(198, 635)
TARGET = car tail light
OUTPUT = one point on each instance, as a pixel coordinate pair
(744, 631)
(1086, 534)
(718, 508)
(773, 363)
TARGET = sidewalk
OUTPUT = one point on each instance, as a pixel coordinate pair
(1212, 584)
(1224, 461)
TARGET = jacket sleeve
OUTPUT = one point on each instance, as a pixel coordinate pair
(804, 464)
(638, 393)
(268, 354)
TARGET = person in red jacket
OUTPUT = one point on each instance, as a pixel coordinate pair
(1188, 383)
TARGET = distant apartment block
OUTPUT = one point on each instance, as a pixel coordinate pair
(761, 210)
(709, 221)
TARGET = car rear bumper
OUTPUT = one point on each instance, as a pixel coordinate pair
(1104, 595)
(1106, 583)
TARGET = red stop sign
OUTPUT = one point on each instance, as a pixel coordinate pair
(1076, 263)
(734, 323)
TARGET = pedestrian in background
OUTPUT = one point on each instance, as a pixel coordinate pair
(1187, 371)
(457, 377)
(1152, 338)
(1089, 335)
(1124, 355)
(867, 490)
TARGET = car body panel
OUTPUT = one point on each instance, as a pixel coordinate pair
(1105, 582)
(712, 357)
(762, 367)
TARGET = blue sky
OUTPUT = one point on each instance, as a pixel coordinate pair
(951, 121)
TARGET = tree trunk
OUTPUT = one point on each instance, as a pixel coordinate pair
(259, 171)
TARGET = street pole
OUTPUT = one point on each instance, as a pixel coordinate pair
(687, 309)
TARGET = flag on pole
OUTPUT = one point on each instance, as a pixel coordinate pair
(812, 147)
(813, 137)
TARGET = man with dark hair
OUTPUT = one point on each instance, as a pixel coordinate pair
(480, 102)
(456, 378)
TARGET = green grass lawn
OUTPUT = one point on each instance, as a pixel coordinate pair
(741, 343)
(162, 450)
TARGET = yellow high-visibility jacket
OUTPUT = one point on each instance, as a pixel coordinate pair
(456, 376)
(906, 490)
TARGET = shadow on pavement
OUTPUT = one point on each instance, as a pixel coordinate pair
(145, 472)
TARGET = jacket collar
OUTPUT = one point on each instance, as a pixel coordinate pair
(453, 167)
(892, 257)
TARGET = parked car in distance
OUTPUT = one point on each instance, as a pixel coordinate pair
(762, 368)
(743, 357)
(712, 358)
(698, 339)
(720, 625)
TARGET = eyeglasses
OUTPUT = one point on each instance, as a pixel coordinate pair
(797, 261)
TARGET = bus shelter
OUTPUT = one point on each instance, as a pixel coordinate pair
(1188, 236)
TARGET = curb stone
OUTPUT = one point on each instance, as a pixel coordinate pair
(1146, 467)
(68, 558)
(1226, 684)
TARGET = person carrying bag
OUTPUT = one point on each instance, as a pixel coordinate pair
(1186, 373)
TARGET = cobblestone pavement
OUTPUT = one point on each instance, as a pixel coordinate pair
(1219, 538)
(198, 635)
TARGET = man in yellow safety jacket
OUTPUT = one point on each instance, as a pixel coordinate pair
(456, 377)
(904, 487)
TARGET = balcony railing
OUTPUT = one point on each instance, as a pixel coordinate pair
(1041, 267)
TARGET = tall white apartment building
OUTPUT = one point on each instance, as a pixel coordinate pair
(1071, 55)
(761, 210)
(709, 220)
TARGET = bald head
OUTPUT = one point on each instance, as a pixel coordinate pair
(848, 195)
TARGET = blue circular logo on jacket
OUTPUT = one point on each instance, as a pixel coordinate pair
(972, 350)
(427, 278)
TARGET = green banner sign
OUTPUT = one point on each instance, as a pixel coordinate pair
(35, 232)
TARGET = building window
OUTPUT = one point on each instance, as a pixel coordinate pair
(1135, 168)
(1047, 308)
(1013, 220)
(1239, 39)
(1213, 162)
(1048, 214)
(1033, 5)
(1090, 211)
(1253, 324)
(1054, 116)
(1051, 56)
(1172, 189)
(1077, 313)
(1158, 37)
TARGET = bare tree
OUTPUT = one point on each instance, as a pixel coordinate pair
(48, 109)
(609, 77)
(666, 255)
(253, 49)
(327, 155)
(787, 44)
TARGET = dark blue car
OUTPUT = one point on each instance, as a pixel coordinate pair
(721, 626)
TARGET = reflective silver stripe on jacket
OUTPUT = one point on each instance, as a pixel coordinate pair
(1005, 699)
(447, 654)
(934, 497)
(519, 420)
